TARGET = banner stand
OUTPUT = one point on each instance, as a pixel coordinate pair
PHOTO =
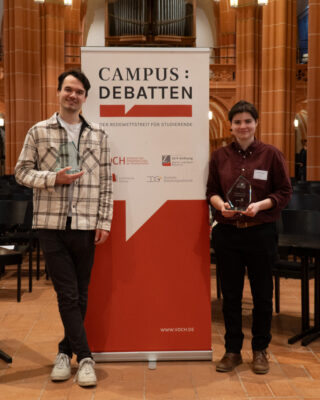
(153, 356)
(149, 294)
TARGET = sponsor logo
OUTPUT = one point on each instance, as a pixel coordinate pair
(137, 161)
(118, 160)
(176, 160)
(167, 179)
(153, 179)
(166, 161)
(122, 179)
(129, 160)
(176, 179)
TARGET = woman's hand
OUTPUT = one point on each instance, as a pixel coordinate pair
(226, 212)
(252, 210)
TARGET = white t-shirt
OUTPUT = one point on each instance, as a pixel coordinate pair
(73, 131)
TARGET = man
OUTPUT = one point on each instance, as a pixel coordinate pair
(303, 161)
(72, 211)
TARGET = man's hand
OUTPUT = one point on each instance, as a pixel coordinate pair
(101, 236)
(63, 178)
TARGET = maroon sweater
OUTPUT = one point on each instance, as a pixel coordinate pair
(263, 165)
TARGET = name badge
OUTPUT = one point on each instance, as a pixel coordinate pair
(260, 174)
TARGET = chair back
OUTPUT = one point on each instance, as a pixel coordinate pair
(300, 222)
(315, 188)
(12, 213)
(304, 201)
(301, 187)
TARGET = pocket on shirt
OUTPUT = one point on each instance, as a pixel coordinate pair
(91, 158)
(48, 156)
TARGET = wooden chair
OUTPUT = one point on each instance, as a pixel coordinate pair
(12, 216)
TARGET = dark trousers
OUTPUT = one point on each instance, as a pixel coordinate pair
(69, 258)
(236, 249)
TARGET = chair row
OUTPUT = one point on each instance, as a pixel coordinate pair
(304, 201)
(15, 230)
(10, 189)
(299, 243)
(306, 187)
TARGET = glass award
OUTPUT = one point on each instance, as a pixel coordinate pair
(68, 157)
(239, 195)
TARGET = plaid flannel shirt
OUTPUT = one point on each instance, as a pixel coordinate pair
(92, 204)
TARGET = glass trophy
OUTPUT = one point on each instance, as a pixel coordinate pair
(68, 157)
(239, 195)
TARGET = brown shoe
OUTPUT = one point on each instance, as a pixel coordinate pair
(260, 363)
(228, 362)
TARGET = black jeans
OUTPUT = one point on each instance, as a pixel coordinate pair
(69, 258)
(254, 248)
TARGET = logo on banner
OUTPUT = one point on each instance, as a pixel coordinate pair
(147, 110)
(122, 179)
(176, 179)
(150, 91)
(153, 179)
(166, 161)
(176, 160)
(118, 160)
(129, 160)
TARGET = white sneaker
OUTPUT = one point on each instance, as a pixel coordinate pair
(61, 370)
(86, 375)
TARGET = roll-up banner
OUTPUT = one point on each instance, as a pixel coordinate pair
(149, 295)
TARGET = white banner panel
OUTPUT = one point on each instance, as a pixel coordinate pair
(149, 294)
(154, 103)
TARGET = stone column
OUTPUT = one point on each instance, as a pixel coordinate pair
(248, 67)
(278, 77)
(73, 34)
(22, 74)
(52, 54)
(227, 33)
(313, 135)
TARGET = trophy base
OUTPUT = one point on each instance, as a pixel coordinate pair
(238, 209)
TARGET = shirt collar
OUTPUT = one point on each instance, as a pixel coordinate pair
(54, 122)
(253, 146)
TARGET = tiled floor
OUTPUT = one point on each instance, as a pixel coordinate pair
(30, 330)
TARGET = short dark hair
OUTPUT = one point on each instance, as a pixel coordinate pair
(241, 107)
(77, 74)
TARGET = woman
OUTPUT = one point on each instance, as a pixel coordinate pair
(247, 238)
